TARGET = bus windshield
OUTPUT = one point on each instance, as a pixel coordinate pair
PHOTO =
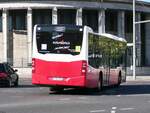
(59, 42)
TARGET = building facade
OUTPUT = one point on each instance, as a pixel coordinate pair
(18, 17)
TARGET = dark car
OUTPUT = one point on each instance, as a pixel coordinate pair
(8, 76)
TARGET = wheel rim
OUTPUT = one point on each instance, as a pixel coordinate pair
(9, 83)
(119, 80)
(99, 85)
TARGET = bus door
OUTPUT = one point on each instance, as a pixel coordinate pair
(106, 73)
(105, 51)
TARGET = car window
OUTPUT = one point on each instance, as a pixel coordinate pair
(2, 69)
(10, 69)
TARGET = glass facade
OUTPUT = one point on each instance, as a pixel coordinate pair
(67, 16)
(17, 20)
(111, 21)
(143, 43)
(90, 18)
(128, 26)
(42, 16)
(0, 21)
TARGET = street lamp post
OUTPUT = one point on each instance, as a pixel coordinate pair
(134, 43)
(134, 38)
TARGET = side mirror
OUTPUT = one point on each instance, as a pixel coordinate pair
(15, 70)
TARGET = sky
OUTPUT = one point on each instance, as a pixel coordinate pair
(145, 0)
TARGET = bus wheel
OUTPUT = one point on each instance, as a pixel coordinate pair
(119, 80)
(100, 84)
(56, 89)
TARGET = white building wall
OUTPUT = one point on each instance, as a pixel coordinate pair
(5, 34)
(29, 33)
(65, 5)
(121, 24)
(20, 49)
(101, 21)
(54, 16)
(79, 17)
(1, 47)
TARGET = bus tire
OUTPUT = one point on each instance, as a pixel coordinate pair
(100, 83)
(119, 80)
(56, 89)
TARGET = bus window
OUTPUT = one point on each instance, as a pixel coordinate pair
(95, 54)
(68, 42)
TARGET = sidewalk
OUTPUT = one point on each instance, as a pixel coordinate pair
(24, 73)
(139, 78)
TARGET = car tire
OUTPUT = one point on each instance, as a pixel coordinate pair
(16, 83)
(9, 83)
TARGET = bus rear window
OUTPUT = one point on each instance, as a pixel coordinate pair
(59, 42)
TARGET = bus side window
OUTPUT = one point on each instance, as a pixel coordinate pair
(91, 54)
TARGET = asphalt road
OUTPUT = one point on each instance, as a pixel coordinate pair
(130, 97)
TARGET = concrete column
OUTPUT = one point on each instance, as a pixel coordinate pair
(121, 24)
(101, 21)
(54, 16)
(138, 40)
(29, 33)
(5, 34)
(79, 17)
(147, 41)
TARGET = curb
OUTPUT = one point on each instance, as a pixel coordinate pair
(138, 78)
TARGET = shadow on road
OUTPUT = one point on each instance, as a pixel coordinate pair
(26, 86)
(20, 86)
(126, 89)
(132, 89)
(76, 92)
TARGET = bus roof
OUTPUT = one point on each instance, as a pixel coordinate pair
(107, 35)
(113, 37)
(46, 27)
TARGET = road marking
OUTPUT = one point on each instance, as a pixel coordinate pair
(97, 111)
(64, 99)
(126, 109)
(30, 103)
(138, 95)
(113, 111)
(82, 98)
(118, 95)
(113, 108)
(16, 96)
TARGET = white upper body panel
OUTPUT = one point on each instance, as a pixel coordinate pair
(68, 57)
(63, 57)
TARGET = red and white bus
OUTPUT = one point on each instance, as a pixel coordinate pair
(68, 56)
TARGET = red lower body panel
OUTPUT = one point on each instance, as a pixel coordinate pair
(58, 73)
